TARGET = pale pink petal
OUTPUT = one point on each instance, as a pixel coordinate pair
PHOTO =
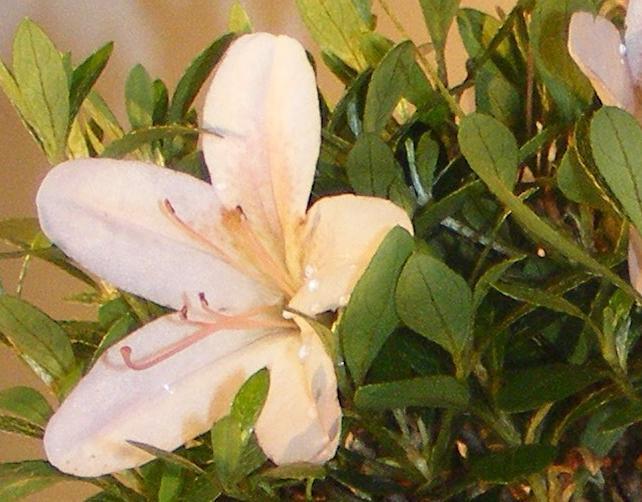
(301, 419)
(633, 39)
(107, 215)
(263, 102)
(341, 235)
(594, 43)
(164, 405)
(635, 258)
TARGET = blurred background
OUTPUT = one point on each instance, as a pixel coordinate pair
(163, 35)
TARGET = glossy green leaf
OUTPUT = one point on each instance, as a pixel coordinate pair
(85, 76)
(139, 98)
(370, 316)
(513, 464)
(238, 21)
(38, 337)
(398, 75)
(144, 136)
(194, 77)
(338, 27)
(481, 139)
(526, 389)
(616, 142)
(570, 89)
(40, 74)
(438, 391)
(250, 398)
(19, 479)
(26, 403)
(373, 170)
(16, 425)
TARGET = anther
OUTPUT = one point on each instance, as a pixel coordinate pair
(183, 313)
(168, 205)
(203, 300)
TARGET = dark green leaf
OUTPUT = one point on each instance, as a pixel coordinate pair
(194, 78)
(529, 388)
(161, 102)
(144, 136)
(85, 75)
(435, 302)
(298, 471)
(616, 142)
(438, 391)
(492, 275)
(139, 98)
(513, 463)
(38, 337)
(26, 403)
(623, 415)
(596, 437)
(574, 182)
(249, 400)
(19, 479)
(118, 330)
(20, 426)
(398, 75)
(169, 457)
(370, 315)
(42, 80)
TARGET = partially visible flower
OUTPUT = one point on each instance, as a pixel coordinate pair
(228, 257)
(614, 67)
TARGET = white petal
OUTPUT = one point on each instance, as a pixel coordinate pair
(164, 405)
(340, 236)
(263, 102)
(633, 39)
(594, 43)
(635, 258)
(107, 215)
(301, 419)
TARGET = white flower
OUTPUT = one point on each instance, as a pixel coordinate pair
(229, 257)
(614, 67)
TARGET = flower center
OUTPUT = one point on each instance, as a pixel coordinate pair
(210, 322)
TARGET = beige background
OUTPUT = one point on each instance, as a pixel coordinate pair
(164, 35)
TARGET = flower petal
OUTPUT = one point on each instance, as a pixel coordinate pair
(341, 234)
(635, 258)
(594, 43)
(164, 405)
(108, 216)
(301, 419)
(264, 104)
(633, 39)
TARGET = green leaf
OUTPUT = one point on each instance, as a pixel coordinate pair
(435, 302)
(26, 403)
(227, 447)
(161, 102)
(194, 77)
(492, 275)
(338, 27)
(117, 331)
(481, 138)
(299, 471)
(574, 182)
(398, 75)
(139, 98)
(439, 15)
(370, 316)
(144, 136)
(623, 415)
(38, 337)
(42, 80)
(616, 142)
(10, 87)
(250, 398)
(171, 483)
(513, 463)
(373, 170)
(238, 20)
(527, 389)
(167, 456)
(570, 89)
(20, 426)
(85, 76)
(438, 391)
(19, 479)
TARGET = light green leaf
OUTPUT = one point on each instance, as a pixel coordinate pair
(38, 337)
(435, 302)
(299, 471)
(42, 80)
(438, 391)
(238, 20)
(26, 403)
(370, 316)
(481, 138)
(10, 87)
(171, 483)
(85, 75)
(616, 142)
(249, 400)
(398, 75)
(338, 27)
(227, 447)
(139, 98)
(144, 136)
(513, 463)
(373, 170)
(19, 479)
(16, 425)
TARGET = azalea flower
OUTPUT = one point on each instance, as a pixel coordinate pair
(229, 257)
(614, 67)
